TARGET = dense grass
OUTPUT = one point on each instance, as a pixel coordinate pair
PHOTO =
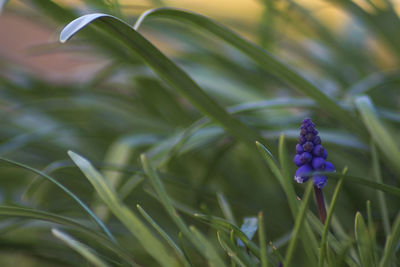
(180, 153)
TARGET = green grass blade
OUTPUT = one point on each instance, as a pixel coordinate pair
(378, 132)
(165, 68)
(262, 240)
(80, 202)
(366, 182)
(179, 252)
(54, 218)
(209, 251)
(82, 249)
(363, 241)
(226, 208)
(298, 225)
(323, 244)
(146, 238)
(231, 252)
(391, 243)
(381, 196)
(203, 246)
(307, 236)
(265, 60)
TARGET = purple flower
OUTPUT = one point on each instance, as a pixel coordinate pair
(311, 155)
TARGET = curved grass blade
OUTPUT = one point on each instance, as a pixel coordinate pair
(265, 60)
(232, 252)
(298, 224)
(363, 241)
(54, 218)
(179, 252)
(80, 202)
(164, 67)
(381, 196)
(202, 245)
(209, 250)
(262, 240)
(379, 134)
(146, 238)
(391, 242)
(82, 249)
(362, 181)
(226, 208)
(323, 244)
(307, 236)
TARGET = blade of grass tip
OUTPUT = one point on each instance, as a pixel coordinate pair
(381, 196)
(55, 218)
(209, 250)
(265, 60)
(148, 218)
(298, 225)
(262, 240)
(226, 208)
(193, 236)
(231, 252)
(80, 202)
(82, 249)
(136, 227)
(363, 241)
(391, 242)
(378, 132)
(323, 244)
(372, 234)
(164, 68)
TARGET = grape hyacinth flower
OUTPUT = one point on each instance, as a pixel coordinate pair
(311, 156)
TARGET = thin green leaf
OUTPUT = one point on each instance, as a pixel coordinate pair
(298, 225)
(391, 243)
(262, 240)
(307, 236)
(54, 218)
(232, 253)
(378, 132)
(80, 202)
(82, 249)
(179, 252)
(197, 240)
(146, 238)
(265, 60)
(164, 67)
(363, 241)
(381, 196)
(323, 244)
(208, 249)
(226, 208)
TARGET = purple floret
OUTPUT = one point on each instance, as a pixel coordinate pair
(308, 146)
(318, 164)
(305, 157)
(300, 173)
(319, 180)
(299, 149)
(318, 151)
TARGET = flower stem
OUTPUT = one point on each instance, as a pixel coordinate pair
(319, 198)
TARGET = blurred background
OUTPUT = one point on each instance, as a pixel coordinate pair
(92, 96)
